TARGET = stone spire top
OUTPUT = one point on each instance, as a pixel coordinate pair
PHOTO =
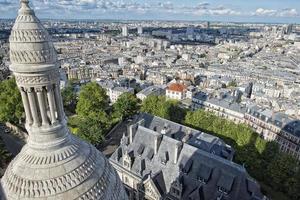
(31, 45)
(25, 4)
(53, 164)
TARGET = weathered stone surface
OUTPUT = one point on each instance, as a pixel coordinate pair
(54, 165)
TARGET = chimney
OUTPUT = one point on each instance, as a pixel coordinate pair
(187, 136)
(132, 130)
(166, 129)
(178, 148)
(157, 141)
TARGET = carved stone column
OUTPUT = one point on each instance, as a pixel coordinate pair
(42, 106)
(58, 103)
(26, 106)
(33, 108)
(51, 100)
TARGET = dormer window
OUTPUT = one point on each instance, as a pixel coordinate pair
(126, 164)
(140, 150)
(165, 158)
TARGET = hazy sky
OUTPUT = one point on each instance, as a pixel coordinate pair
(286, 11)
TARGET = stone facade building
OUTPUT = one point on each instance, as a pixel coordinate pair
(54, 164)
(276, 127)
(159, 159)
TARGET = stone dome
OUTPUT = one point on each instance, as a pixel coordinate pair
(30, 42)
(54, 164)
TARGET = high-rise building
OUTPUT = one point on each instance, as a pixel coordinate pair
(140, 30)
(53, 164)
(289, 29)
(125, 31)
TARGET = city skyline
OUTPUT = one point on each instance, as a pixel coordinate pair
(214, 10)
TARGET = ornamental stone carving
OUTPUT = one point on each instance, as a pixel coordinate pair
(25, 188)
(50, 77)
(28, 36)
(54, 164)
(30, 56)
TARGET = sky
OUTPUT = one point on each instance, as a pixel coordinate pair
(270, 11)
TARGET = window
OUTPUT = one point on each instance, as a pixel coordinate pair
(126, 164)
(126, 179)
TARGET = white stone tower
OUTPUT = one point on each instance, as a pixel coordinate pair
(54, 164)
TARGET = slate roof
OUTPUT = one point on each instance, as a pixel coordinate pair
(281, 120)
(151, 90)
(228, 105)
(193, 137)
(202, 174)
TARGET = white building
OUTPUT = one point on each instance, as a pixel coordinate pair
(176, 91)
(116, 92)
(140, 30)
(125, 31)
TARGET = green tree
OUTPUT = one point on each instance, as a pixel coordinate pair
(69, 98)
(92, 97)
(280, 170)
(261, 158)
(126, 105)
(160, 106)
(176, 113)
(93, 127)
(5, 156)
(232, 84)
(11, 107)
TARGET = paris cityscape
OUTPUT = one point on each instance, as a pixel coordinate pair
(134, 100)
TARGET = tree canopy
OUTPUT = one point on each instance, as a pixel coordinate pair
(11, 107)
(92, 98)
(92, 121)
(126, 105)
(160, 106)
(261, 158)
(232, 84)
(69, 98)
(93, 127)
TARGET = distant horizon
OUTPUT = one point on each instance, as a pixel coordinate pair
(162, 20)
(239, 11)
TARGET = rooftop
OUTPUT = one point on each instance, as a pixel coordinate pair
(177, 87)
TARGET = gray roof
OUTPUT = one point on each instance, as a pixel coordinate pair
(151, 90)
(123, 89)
(191, 136)
(200, 173)
(281, 120)
(106, 84)
(230, 105)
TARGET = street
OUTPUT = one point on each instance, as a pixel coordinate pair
(12, 143)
